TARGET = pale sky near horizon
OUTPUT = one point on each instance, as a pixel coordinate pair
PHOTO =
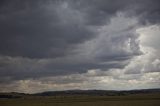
(48, 45)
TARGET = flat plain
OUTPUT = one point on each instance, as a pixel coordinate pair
(78, 100)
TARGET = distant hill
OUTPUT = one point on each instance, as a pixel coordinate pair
(97, 92)
(12, 95)
(81, 92)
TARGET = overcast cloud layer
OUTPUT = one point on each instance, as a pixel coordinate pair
(79, 44)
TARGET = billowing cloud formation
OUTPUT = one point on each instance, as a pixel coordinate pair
(67, 44)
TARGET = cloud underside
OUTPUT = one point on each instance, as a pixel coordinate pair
(58, 45)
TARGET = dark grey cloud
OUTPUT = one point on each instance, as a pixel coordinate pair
(33, 28)
(40, 38)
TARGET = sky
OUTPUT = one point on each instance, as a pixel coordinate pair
(51, 45)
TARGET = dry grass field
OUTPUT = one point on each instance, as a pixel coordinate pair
(128, 100)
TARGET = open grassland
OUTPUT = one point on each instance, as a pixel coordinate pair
(128, 100)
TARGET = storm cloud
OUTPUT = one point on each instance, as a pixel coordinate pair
(51, 39)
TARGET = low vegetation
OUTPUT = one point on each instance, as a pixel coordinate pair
(74, 99)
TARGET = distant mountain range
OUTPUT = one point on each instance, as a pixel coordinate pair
(81, 92)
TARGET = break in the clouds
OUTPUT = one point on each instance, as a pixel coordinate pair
(79, 44)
